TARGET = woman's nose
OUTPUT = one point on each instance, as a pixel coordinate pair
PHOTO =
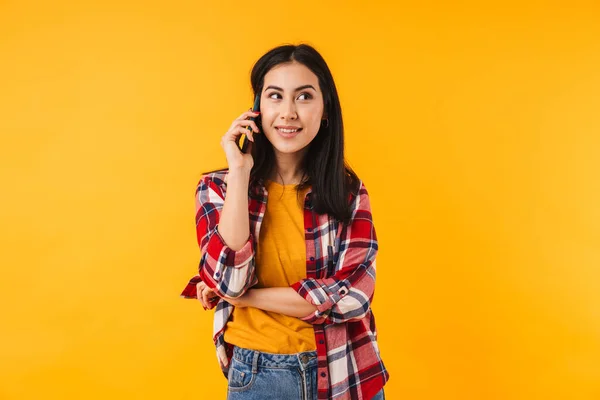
(288, 110)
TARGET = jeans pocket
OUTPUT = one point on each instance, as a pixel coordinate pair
(240, 377)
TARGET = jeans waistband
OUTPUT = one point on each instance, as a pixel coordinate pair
(302, 360)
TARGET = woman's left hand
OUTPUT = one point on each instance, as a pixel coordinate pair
(206, 295)
(209, 298)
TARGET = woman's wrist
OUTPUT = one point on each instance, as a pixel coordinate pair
(238, 174)
(249, 298)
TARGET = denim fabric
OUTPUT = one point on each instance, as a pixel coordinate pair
(379, 395)
(254, 375)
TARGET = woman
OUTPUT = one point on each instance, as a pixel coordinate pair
(288, 245)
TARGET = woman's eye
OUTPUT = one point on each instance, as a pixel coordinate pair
(307, 96)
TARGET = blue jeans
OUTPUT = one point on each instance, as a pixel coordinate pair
(254, 375)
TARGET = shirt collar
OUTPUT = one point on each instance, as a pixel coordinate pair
(259, 189)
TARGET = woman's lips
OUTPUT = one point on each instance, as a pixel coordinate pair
(289, 134)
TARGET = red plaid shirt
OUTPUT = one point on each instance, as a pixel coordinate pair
(340, 270)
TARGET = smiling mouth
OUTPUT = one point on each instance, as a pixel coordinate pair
(284, 130)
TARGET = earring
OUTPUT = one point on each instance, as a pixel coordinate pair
(326, 125)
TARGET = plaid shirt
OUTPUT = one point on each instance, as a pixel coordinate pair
(340, 270)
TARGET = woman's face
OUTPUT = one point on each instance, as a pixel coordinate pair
(291, 107)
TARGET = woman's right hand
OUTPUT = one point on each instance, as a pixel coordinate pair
(235, 158)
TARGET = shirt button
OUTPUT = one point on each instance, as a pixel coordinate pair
(323, 374)
(321, 342)
(312, 259)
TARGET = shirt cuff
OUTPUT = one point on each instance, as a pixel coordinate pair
(318, 292)
(218, 250)
(190, 292)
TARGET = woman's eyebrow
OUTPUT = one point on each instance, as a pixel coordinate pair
(297, 89)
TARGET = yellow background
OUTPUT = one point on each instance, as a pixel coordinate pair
(475, 128)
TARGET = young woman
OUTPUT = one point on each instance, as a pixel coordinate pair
(288, 245)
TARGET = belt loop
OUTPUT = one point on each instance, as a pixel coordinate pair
(255, 362)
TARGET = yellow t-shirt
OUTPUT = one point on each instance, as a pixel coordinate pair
(280, 261)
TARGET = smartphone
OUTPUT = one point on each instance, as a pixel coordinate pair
(243, 140)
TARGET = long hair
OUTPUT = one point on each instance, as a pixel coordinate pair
(324, 166)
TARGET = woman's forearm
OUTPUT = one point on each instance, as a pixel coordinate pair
(234, 223)
(283, 300)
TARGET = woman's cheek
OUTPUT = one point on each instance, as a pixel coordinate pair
(266, 118)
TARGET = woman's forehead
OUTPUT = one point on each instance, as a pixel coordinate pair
(289, 76)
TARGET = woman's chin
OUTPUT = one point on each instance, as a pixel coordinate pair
(288, 148)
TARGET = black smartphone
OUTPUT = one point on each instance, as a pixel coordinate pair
(243, 140)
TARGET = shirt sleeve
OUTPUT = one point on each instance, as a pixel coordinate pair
(228, 272)
(347, 295)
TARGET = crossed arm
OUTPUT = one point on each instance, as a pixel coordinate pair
(229, 274)
(282, 300)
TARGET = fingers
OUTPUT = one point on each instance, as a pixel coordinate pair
(199, 289)
(205, 300)
(205, 294)
(247, 114)
(248, 122)
(248, 133)
(243, 125)
(243, 130)
(233, 135)
(247, 127)
(245, 122)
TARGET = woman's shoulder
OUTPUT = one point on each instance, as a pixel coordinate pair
(215, 175)
(356, 186)
(213, 180)
(217, 181)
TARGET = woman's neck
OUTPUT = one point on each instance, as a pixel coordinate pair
(287, 169)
